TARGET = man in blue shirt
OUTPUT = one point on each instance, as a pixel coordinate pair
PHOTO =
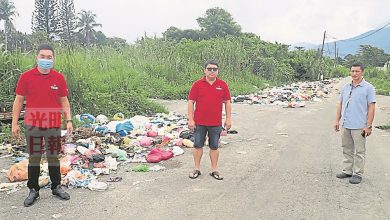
(356, 109)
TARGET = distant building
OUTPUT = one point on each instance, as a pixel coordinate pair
(385, 67)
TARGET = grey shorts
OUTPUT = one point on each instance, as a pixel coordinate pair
(213, 132)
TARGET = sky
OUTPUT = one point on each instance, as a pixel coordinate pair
(283, 21)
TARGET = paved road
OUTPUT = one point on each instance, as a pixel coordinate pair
(281, 165)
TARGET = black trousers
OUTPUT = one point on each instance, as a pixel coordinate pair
(39, 142)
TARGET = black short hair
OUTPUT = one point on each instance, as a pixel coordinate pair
(357, 65)
(45, 47)
(213, 62)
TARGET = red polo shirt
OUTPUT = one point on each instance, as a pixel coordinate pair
(42, 92)
(209, 101)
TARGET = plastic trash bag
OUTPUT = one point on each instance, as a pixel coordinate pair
(101, 119)
(118, 117)
(95, 185)
(18, 171)
(124, 128)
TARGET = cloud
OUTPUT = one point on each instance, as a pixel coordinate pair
(276, 20)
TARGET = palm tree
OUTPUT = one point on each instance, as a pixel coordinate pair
(7, 14)
(86, 25)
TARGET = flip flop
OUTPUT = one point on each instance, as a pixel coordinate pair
(195, 174)
(216, 175)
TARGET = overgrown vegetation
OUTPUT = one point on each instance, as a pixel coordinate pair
(107, 75)
(106, 80)
(380, 79)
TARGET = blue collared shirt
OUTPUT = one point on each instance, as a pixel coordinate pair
(355, 100)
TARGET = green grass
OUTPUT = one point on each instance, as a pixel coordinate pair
(380, 79)
(104, 80)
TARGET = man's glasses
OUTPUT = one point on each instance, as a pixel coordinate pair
(212, 69)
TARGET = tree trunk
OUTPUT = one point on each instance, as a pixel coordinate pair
(6, 36)
(6, 41)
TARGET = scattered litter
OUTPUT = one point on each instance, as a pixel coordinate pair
(156, 168)
(56, 216)
(43, 181)
(95, 185)
(224, 142)
(98, 171)
(11, 187)
(141, 168)
(101, 147)
(188, 143)
(290, 96)
(176, 150)
(115, 179)
(18, 171)
(283, 134)
(136, 183)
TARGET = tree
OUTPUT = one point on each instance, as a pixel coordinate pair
(7, 14)
(68, 20)
(87, 25)
(173, 33)
(372, 56)
(45, 18)
(369, 56)
(218, 23)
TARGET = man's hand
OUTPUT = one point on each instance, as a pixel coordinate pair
(228, 124)
(69, 128)
(336, 126)
(15, 130)
(191, 125)
(367, 131)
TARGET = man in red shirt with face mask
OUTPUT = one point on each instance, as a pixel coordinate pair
(46, 95)
(208, 95)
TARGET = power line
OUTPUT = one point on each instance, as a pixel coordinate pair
(335, 38)
(369, 34)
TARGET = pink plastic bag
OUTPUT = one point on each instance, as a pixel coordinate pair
(152, 134)
(146, 142)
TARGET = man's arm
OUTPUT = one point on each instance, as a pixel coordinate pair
(67, 115)
(370, 118)
(190, 113)
(16, 108)
(338, 116)
(371, 114)
(228, 111)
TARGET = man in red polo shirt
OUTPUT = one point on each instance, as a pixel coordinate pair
(208, 95)
(46, 94)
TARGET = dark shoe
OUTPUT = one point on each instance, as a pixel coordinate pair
(343, 175)
(355, 179)
(60, 193)
(32, 196)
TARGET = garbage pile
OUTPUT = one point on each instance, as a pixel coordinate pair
(99, 145)
(289, 96)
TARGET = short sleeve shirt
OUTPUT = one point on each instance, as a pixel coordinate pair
(355, 100)
(43, 93)
(209, 101)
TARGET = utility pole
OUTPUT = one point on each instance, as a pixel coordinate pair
(320, 58)
(335, 54)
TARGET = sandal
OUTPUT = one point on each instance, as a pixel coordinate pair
(216, 175)
(195, 174)
(232, 132)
